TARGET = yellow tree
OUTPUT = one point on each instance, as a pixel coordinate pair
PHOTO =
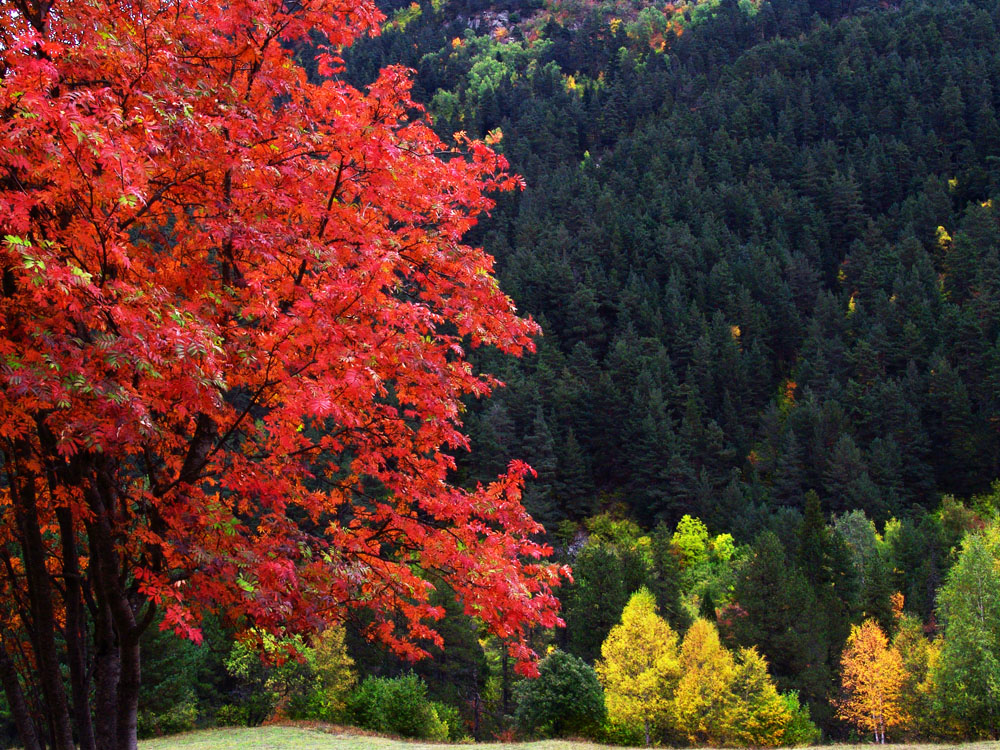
(872, 677)
(334, 672)
(638, 667)
(703, 697)
(727, 699)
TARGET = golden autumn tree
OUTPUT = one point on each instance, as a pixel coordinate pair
(707, 671)
(639, 667)
(724, 698)
(872, 676)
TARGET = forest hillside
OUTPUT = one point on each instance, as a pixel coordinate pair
(761, 241)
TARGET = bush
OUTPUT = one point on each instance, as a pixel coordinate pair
(178, 718)
(436, 729)
(168, 695)
(313, 684)
(452, 718)
(232, 716)
(564, 700)
(252, 693)
(800, 730)
(621, 733)
(397, 706)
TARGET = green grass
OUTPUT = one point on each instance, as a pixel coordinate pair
(307, 738)
(332, 738)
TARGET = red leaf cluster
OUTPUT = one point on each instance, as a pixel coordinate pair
(234, 317)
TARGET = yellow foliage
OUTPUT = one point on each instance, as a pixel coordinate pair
(872, 676)
(690, 540)
(334, 668)
(943, 238)
(639, 667)
(726, 700)
(708, 671)
(723, 547)
(897, 601)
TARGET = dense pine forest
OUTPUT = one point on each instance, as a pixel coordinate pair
(761, 241)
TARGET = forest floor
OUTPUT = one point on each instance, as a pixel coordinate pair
(337, 738)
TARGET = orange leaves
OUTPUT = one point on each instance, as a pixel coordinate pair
(872, 676)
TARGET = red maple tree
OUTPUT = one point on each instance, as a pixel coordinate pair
(234, 319)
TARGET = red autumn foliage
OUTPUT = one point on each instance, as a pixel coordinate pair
(234, 320)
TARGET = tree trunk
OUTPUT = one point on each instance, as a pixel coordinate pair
(476, 716)
(114, 599)
(42, 609)
(645, 726)
(128, 694)
(76, 632)
(107, 668)
(504, 682)
(18, 706)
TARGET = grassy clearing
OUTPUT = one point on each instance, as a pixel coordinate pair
(335, 738)
(321, 738)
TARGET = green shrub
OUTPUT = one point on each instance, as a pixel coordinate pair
(457, 729)
(171, 673)
(180, 717)
(313, 684)
(397, 706)
(253, 693)
(232, 716)
(627, 735)
(800, 730)
(435, 729)
(565, 700)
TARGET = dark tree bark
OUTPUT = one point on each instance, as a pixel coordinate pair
(107, 668)
(41, 605)
(121, 604)
(76, 633)
(128, 694)
(26, 730)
